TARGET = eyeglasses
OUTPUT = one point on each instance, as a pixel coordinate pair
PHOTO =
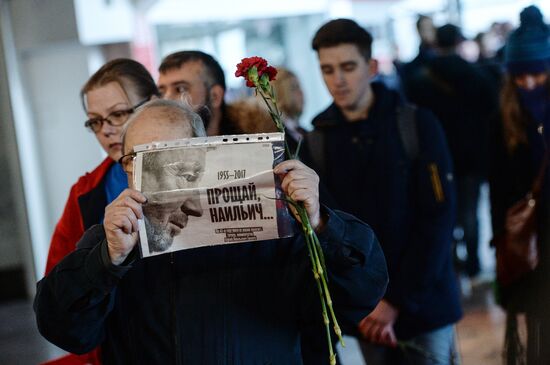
(116, 118)
(127, 161)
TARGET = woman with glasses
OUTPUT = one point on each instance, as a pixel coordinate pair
(108, 98)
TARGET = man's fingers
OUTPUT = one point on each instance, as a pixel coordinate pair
(372, 331)
(300, 184)
(364, 327)
(134, 206)
(133, 194)
(293, 176)
(302, 195)
(120, 219)
(392, 338)
(288, 165)
(378, 334)
(385, 336)
(369, 329)
(122, 223)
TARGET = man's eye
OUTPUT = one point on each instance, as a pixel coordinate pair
(186, 174)
(181, 89)
(349, 68)
(326, 71)
(190, 176)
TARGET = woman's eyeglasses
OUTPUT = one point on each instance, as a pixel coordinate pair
(116, 118)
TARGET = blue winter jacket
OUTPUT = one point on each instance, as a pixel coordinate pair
(409, 201)
(246, 303)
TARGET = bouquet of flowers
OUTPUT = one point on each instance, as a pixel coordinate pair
(258, 75)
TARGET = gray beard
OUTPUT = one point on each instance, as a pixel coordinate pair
(158, 238)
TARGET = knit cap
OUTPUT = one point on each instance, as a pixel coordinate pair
(528, 47)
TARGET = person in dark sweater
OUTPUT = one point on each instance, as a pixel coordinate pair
(388, 163)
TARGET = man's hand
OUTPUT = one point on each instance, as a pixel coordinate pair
(302, 185)
(121, 224)
(377, 327)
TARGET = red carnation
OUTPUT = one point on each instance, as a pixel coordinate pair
(262, 68)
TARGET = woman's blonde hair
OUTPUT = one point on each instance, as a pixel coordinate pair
(283, 91)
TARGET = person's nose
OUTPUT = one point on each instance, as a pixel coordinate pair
(107, 129)
(192, 206)
(339, 79)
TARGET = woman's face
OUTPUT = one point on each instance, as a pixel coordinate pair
(109, 101)
(297, 95)
(530, 81)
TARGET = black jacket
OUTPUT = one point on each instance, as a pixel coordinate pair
(464, 99)
(236, 304)
(408, 200)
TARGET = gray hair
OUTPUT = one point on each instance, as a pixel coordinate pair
(180, 108)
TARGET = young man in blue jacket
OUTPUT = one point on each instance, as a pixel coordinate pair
(388, 164)
(246, 303)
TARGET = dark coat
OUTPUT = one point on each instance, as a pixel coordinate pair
(237, 304)
(511, 177)
(369, 174)
(464, 99)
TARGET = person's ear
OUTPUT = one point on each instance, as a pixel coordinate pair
(154, 97)
(217, 94)
(373, 67)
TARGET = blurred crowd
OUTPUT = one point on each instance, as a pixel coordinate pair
(408, 160)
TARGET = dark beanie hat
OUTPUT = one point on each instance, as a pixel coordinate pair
(528, 47)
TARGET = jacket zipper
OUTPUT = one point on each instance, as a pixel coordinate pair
(174, 326)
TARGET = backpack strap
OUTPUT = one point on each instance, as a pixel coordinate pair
(408, 131)
(406, 125)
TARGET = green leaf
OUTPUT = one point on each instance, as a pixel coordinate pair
(253, 75)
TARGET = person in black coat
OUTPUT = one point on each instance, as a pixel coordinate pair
(464, 99)
(519, 143)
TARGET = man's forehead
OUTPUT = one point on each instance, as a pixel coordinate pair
(153, 127)
(186, 71)
(341, 53)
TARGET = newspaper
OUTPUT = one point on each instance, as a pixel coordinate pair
(210, 191)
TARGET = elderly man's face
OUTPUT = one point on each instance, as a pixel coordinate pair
(170, 171)
(166, 176)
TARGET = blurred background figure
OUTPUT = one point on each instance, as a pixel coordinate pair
(251, 115)
(290, 99)
(412, 71)
(464, 99)
(519, 143)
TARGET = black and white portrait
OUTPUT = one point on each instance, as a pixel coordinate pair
(169, 180)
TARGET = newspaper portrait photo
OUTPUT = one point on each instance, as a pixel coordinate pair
(210, 191)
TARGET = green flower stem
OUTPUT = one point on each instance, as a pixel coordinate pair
(315, 251)
(319, 261)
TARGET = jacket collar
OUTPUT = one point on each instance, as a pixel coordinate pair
(385, 100)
